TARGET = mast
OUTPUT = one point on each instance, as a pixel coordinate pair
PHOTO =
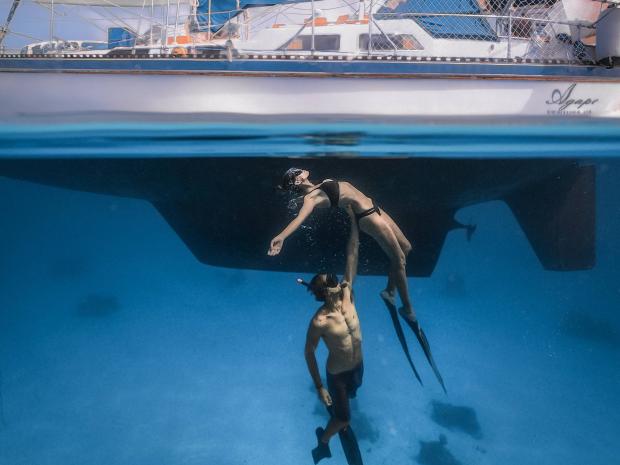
(209, 21)
(165, 44)
(52, 23)
(4, 29)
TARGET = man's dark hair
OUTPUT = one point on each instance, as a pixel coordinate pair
(320, 283)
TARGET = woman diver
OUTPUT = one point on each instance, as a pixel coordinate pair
(375, 222)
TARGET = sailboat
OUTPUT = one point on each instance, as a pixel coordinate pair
(325, 58)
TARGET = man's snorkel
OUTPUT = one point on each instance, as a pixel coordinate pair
(323, 285)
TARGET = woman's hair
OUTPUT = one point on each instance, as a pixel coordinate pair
(288, 180)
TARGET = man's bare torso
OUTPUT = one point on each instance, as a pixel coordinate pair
(342, 335)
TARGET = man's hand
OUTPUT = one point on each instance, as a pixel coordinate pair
(325, 397)
(275, 246)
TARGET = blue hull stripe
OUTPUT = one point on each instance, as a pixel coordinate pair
(333, 67)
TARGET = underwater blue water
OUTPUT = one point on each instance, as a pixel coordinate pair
(118, 347)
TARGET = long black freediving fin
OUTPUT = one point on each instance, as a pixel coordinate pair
(350, 447)
(426, 347)
(401, 335)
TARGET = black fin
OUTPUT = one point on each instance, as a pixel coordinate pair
(350, 447)
(321, 451)
(426, 347)
(401, 336)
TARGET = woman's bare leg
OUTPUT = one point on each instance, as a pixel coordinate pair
(380, 230)
(390, 287)
(404, 244)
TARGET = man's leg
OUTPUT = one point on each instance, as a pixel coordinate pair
(334, 426)
(338, 393)
(349, 444)
(339, 411)
(350, 447)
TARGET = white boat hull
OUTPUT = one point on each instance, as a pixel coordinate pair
(43, 93)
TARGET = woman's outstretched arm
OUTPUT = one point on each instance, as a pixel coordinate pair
(278, 242)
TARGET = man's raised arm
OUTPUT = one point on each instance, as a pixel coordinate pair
(352, 250)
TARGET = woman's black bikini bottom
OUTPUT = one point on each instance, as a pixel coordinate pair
(374, 209)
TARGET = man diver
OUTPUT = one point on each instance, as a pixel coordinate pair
(337, 323)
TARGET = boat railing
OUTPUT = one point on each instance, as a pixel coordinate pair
(533, 32)
(485, 29)
(522, 36)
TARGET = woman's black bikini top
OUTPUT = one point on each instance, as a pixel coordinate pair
(332, 190)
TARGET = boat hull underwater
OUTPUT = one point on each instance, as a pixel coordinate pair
(319, 86)
(227, 209)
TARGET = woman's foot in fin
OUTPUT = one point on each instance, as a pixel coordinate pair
(409, 315)
(388, 297)
(321, 451)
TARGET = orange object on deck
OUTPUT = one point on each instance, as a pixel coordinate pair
(295, 44)
(179, 40)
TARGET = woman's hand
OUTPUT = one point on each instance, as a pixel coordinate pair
(325, 397)
(276, 246)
